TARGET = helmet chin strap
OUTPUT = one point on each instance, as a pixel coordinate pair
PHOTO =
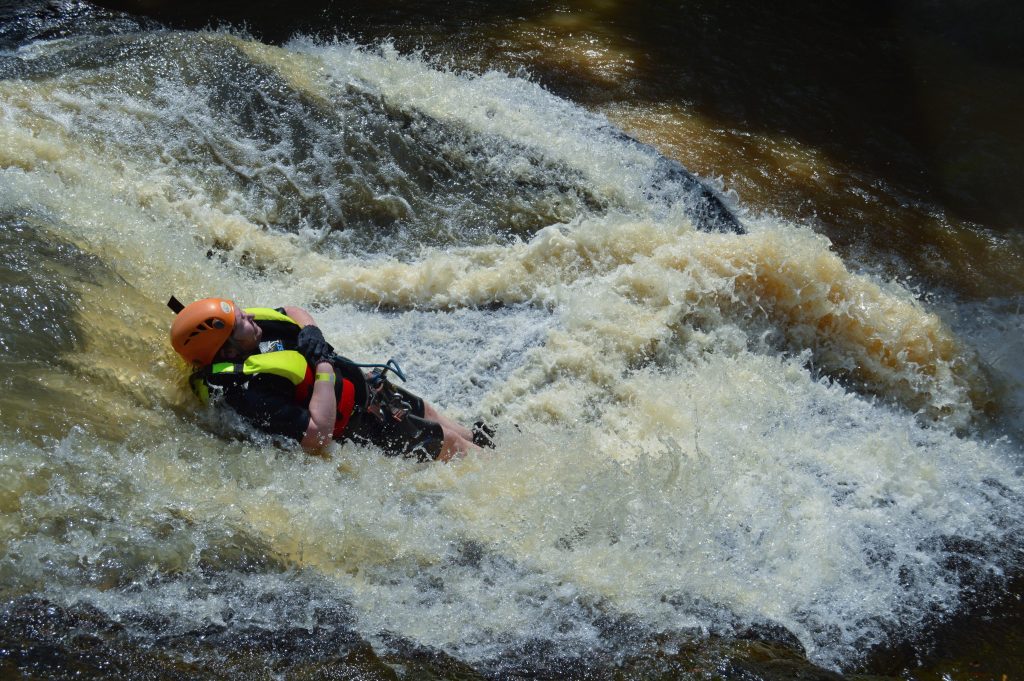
(175, 305)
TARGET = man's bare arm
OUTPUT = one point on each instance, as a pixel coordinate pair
(300, 315)
(323, 408)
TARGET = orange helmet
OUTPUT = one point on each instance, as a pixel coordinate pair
(200, 329)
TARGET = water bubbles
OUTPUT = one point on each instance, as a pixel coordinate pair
(685, 441)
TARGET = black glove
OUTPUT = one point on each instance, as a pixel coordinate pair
(312, 346)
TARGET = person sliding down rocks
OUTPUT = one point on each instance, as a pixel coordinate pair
(274, 367)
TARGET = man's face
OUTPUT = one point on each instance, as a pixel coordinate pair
(246, 334)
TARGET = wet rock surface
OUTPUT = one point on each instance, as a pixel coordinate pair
(42, 640)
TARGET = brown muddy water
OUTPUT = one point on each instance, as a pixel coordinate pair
(784, 444)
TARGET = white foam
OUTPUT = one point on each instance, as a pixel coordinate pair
(682, 455)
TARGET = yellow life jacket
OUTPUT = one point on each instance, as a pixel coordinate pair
(287, 364)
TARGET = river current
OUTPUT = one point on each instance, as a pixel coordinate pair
(706, 436)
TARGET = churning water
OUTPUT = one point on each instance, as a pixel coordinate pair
(701, 429)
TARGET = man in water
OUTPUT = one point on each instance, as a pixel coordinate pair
(275, 369)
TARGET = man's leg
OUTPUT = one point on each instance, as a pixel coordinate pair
(455, 446)
(458, 440)
(449, 425)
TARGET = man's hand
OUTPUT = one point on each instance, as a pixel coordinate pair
(312, 346)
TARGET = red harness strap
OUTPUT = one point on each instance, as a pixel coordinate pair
(304, 390)
(346, 405)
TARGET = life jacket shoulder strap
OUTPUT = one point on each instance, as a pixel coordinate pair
(267, 314)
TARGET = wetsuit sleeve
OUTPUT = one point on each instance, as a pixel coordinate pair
(267, 404)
